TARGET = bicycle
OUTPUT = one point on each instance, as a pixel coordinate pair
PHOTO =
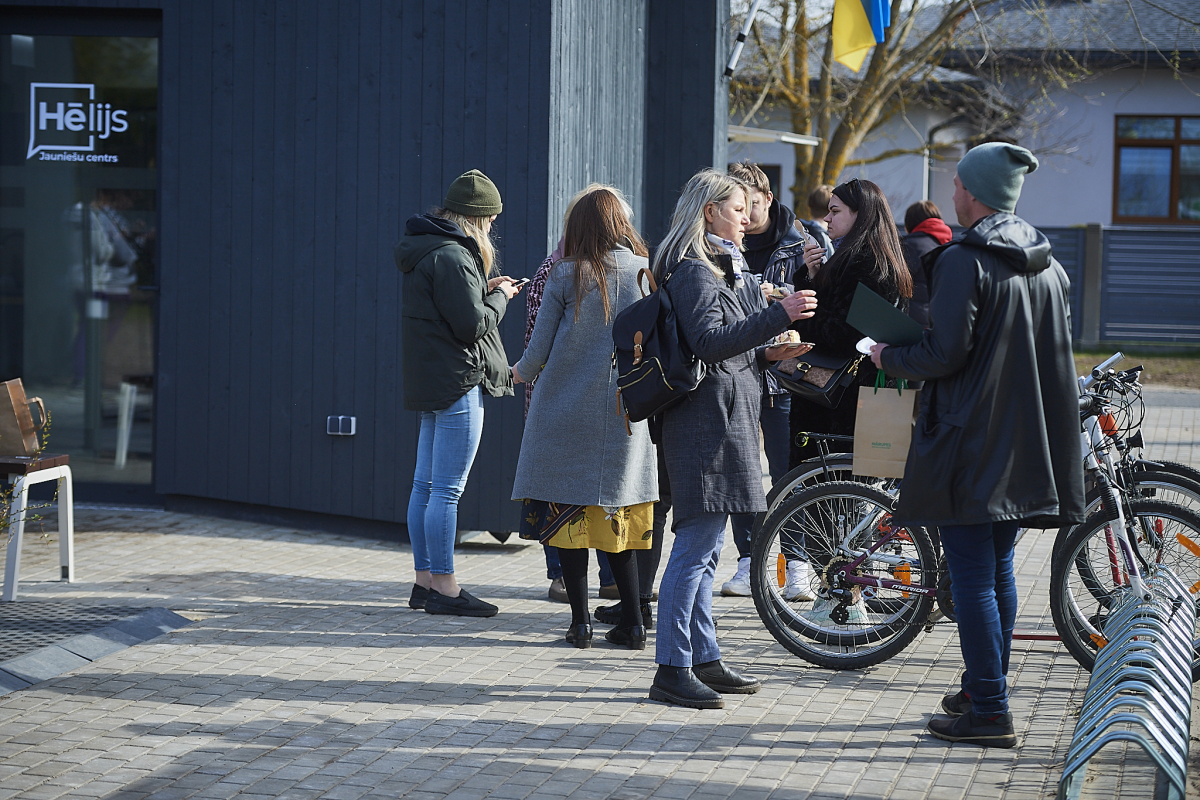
(878, 582)
(1098, 561)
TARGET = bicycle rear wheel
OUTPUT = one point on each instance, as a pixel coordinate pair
(1090, 575)
(828, 525)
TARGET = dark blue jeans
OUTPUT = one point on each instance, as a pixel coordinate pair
(980, 558)
(776, 431)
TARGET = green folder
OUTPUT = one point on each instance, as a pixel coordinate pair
(882, 321)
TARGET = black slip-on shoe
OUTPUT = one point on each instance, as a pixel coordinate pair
(418, 597)
(720, 678)
(465, 605)
(679, 686)
(580, 635)
(611, 615)
(633, 637)
(956, 704)
(972, 729)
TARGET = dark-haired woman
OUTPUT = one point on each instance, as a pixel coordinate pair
(868, 253)
(586, 481)
(924, 230)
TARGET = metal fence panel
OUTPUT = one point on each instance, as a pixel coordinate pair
(1151, 285)
(1068, 247)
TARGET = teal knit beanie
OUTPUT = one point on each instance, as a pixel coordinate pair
(994, 172)
(473, 195)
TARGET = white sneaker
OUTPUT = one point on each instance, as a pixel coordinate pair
(799, 582)
(739, 584)
(820, 614)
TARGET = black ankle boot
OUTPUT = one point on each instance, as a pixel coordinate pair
(679, 686)
(580, 635)
(718, 677)
(611, 615)
(633, 637)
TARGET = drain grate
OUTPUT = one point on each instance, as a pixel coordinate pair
(26, 626)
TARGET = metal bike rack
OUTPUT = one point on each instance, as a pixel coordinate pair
(1141, 685)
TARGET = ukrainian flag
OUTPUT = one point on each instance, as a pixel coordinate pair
(858, 26)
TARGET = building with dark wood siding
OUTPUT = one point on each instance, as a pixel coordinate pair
(290, 142)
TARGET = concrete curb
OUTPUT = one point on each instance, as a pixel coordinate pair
(56, 659)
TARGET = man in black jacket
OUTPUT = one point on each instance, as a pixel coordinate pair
(996, 443)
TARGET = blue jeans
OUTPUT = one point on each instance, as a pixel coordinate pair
(445, 450)
(686, 634)
(980, 558)
(776, 432)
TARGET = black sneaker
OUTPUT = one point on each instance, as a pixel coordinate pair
(418, 597)
(976, 730)
(465, 605)
(956, 704)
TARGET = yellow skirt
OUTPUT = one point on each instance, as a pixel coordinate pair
(612, 530)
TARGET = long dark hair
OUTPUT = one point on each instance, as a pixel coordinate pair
(598, 224)
(873, 235)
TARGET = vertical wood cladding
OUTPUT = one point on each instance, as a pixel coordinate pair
(296, 138)
(597, 97)
(687, 100)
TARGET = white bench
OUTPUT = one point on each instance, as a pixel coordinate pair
(23, 472)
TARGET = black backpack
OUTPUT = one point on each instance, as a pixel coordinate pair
(655, 368)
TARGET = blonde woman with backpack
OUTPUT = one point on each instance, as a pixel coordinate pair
(710, 440)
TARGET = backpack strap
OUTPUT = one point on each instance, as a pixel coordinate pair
(643, 272)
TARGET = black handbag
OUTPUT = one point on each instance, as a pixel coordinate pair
(818, 377)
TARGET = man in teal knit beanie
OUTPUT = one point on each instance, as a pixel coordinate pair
(994, 172)
(998, 350)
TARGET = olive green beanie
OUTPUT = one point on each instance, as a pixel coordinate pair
(994, 173)
(473, 195)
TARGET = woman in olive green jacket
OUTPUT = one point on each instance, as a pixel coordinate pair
(452, 354)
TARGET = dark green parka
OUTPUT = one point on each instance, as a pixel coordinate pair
(449, 327)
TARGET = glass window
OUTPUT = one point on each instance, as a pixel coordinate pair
(78, 223)
(1158, 170)
(1146, 128)
(1145, 182)
(1189, 182)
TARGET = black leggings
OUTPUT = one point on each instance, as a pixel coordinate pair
(624, 568)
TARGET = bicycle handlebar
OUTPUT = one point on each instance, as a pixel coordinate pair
(1086, 382)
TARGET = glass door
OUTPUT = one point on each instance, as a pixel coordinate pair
(78, 227)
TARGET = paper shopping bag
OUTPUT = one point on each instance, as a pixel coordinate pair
(883, 431)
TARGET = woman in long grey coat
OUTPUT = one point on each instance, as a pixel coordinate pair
(586, 481)
(710, 439)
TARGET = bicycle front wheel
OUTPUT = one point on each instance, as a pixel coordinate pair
(850, 625)
(1090, 575)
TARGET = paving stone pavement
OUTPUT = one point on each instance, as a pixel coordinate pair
(305, 675)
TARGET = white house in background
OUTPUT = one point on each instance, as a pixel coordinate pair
(1122, 147)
